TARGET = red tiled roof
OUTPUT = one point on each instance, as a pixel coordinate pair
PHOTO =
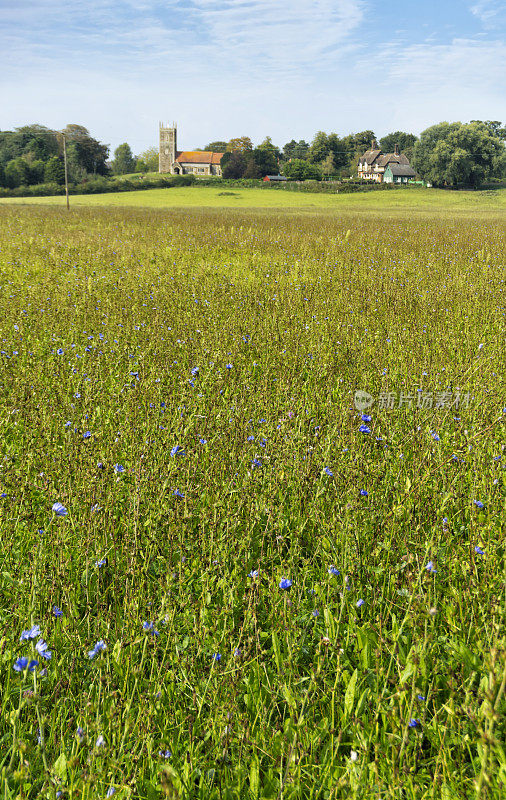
(198, 157)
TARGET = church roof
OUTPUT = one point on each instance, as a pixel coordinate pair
(198, 157)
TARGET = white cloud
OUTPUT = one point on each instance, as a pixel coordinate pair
(489, 12)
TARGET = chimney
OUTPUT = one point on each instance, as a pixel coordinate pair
(396, 150)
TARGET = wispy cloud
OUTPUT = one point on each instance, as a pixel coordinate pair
(489, 12)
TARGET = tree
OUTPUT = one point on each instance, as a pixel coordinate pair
(233, 164)
(216, 147)
(252, 170)
(242, 144)
(319, 148)
(89, 156)
(494, 127)
(54, 170)
(265, 160)
(295, 149)
(17, 173)
(456, 154)
(406, 142)
(328, 166)
(299, 170)
(123, 160)
(147, 161)
(36, 170)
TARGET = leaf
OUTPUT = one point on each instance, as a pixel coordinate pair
(277, 651)
(349, 697)
(254, 784)
(60, 767)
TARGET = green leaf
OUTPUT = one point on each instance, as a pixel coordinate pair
(254, 783)
(277, 651)
(60, 767)
(349, 697)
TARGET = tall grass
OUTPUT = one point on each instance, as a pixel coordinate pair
(182, 383)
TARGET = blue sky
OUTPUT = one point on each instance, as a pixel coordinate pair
(224, 68)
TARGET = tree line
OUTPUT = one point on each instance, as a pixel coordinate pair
(446, 154)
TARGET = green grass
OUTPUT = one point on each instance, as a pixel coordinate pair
(104, 315)
(409, 199)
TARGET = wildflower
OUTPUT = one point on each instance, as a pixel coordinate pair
(22, 663)
(285, 583)
(32, 633)
(59, 510)
(366, 418)
(80, 733)
(353, 755)
(328, 472)
(479, 551)
(118, 468)
(413, 723)
(435, 437)
(59, 352)
(194, 371)
(237, 652)
(217, 656)
(360, 603)
(250, 439)
(101, 563)
(41, 648)
(256, 462)
(203, 441)
(478, 503)
(229, 366)
(364, 429)
(316, 613)
(364, 493)
(40, 531)
(57, 611)
(100, 741)
(111, 790)
(430, 567)
(177, 493)
(164, 754)
(253, 573)
(420, 697)
(177, 451)
(98, 647)
(150, 628)
(86, 434)
(333, 570)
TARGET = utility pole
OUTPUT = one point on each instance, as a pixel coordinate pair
(66, 171)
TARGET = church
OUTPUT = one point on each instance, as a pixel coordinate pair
(200, 163)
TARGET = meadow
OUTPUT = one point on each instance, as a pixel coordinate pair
(223, 575)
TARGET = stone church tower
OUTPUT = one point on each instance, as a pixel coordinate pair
(168, 147)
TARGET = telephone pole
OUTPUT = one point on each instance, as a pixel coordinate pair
(66, 170)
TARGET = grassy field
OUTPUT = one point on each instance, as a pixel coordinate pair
(409, 200)
(220, 578)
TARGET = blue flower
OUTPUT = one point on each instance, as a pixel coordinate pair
(435, 437)
(164, 754)
(57, 611)
(360, 603)
(22, 663)
(32, 633)
(177, 493)
(150, 628)
(328, 472)
(364, 493)
(430, 567)
(98, 647)
(40, 531)
(250, 439)
(479, 551)
(237, 652)
(364, 429)
(420, 697)
(203, 441)
(194, 371)
(101, 563)
(68, 424)
(111, 790)
(253, 573)
(316, 613)
(413, 723)
(333, 570)
(217, 656)
(86, 434)
(366, 418)
(285, 583)
(41, 648)
(229, 366)
(59, 352)
(256, 462)
(59, 510)
(177, 451)
(478, 503)
(118, 468)
(80, 733)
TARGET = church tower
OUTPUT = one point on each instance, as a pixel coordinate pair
(168, 147)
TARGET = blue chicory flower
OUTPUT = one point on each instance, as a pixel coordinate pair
(59, 510)
(285, 583)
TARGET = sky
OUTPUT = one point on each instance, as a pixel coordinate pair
(227, 68)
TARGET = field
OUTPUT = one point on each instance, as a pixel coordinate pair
(224, 576)
(412, 199)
